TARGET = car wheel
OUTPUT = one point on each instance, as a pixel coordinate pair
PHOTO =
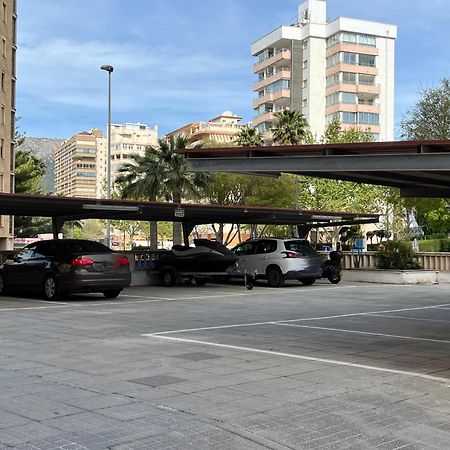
(334, 279)
(168, 277)
(274, 277)
(307, 281)
(50, 287)
(200, 281)
(112, 293)
(2, 285)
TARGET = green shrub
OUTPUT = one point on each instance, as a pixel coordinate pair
(397, 255)
(435, 245)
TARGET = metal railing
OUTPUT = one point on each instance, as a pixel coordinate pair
(145, 259)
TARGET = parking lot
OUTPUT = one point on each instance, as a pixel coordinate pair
(325, 366)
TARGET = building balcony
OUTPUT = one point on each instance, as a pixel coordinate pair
(283, 55)
(351, 107)
(282, 94)
(352, 48)
(362, 126)
(353, 68)
(269, 80)
(265, 117)
(372, 89)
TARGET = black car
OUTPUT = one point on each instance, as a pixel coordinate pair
(64, 266)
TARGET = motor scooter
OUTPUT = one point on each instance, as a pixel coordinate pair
(331, 268)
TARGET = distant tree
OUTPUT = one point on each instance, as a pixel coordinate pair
(429, 118)
(290, 128)
(335, 134)
(29, 171)
(248, 137)
(161, 174)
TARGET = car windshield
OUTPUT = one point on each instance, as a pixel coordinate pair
(303, 247)
(85, 247)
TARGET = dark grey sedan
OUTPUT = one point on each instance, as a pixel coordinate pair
(64, 266)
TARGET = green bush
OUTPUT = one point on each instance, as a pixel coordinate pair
(435, 245)
(397, 255)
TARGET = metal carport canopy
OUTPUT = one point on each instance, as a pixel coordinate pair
(62, 209)
(417, 168)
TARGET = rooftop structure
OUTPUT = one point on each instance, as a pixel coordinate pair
(222, 129)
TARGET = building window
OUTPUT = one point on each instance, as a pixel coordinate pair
(349, 58)
(305, 44)
(1, 182)
(333, 59)
(367, 39)
(367, 80)
(4, 47)
(305, 103)
(332, 99)
(349, 97)
(11, 184)
(349, 117)
(2, 118)
(349, 37)
(3, 82)
(305, 63)
(305, 84)
(366, 60)
(4, 12)
(349, 78)
(2, 146)
(368, 118)
(333, 79)
(333, 40)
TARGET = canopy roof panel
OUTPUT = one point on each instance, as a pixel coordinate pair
(417, 168)
(66, 209)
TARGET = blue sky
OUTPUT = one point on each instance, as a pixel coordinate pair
(177, 61)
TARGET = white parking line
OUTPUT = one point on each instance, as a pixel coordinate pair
(251, 324)
(305, 358)
(410, 318)
(341, 330)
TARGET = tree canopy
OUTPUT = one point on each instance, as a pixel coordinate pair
(290, 128)
(429, 118)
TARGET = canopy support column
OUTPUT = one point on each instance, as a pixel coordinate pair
(187, 230)
(57, 224)
(303, 230)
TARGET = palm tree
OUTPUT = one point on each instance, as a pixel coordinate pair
(161, 173)
(248, 137)
(290, 127)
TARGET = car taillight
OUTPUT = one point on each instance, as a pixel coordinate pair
(122, 261)
(289, 254)
(82, 261)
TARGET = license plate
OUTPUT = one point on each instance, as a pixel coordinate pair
(99, 267)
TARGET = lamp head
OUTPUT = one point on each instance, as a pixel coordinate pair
(107, 68)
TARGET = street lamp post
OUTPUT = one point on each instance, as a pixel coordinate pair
(110, 70)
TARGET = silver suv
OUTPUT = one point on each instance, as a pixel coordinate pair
(279, 259)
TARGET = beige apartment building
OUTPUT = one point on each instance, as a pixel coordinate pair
(322, 68)
(81, 161)
(76, 165)
(222, 128)
(8, 18)
(126, 140)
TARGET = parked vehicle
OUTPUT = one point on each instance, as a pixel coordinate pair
(207, 259)
(331, 268)
(279, 259)
(64, 266)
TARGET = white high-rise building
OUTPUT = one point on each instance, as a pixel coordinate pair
(324, 68)
(126, 140)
